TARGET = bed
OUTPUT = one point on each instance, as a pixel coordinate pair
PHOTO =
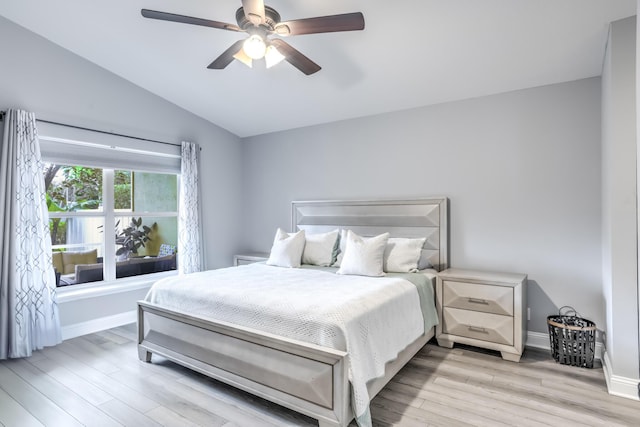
(310, 378)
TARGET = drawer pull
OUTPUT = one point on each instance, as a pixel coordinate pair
(478, 301)
(477, 329)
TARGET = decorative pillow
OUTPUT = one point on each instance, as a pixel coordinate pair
(319, 248)
(342, 244)
(70, 259)
(287, 249)
(401, 255)
(364, 257)
(166, 249)
(336, 251)
(58, 264)
(424, 261)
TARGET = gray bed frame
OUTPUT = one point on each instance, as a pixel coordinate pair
(306, 378)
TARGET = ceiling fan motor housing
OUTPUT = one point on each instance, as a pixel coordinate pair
(271, 19)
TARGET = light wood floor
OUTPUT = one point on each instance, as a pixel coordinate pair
(97, 380)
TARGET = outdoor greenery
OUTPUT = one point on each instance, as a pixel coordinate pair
(78, 188)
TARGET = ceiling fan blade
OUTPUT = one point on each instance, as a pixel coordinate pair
(254, 11)
(227, 56)
(295, 57)
(322, 24)
(164, 16)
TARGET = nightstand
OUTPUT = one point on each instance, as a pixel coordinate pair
(249, 258)
(484, 309)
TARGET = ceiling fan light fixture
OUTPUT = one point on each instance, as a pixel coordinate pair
(273, 56)
(254, 47)
(242, 57)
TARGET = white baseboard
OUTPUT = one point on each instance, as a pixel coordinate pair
(100, 324)
(541, 340)
(617, 385)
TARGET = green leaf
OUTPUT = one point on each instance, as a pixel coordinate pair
(52, 206)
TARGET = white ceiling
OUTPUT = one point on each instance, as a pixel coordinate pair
(412, 53)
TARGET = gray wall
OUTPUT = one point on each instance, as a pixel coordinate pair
(39, 76)
(619, 199)
(521, 169)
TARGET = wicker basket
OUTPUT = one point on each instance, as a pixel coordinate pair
(573, 339)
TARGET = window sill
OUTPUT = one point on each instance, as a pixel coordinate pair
(98, 289)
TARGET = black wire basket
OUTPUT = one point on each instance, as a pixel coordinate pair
(573, 339)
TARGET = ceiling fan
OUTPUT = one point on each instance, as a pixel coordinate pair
(260, 22)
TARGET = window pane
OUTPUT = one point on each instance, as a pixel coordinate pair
(77, 249)
(73, 188)
(146, 192)
(145, 245)
(122, 190)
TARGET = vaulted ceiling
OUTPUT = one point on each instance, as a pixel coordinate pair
(411, 53)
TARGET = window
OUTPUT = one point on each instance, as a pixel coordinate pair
(113, 203)
(107, 224)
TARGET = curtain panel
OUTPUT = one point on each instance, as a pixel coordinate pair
(190, 253)
(29, 317)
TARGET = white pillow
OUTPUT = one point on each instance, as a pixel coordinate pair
(287, 249)
(363, 257)
(401, 255)
(318, 249)
(424, 261)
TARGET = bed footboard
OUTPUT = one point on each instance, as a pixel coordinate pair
(307, 378)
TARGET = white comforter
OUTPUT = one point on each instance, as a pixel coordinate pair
(373, 319)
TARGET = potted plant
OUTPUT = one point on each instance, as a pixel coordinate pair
(132, 238)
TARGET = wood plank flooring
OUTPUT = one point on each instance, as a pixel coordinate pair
(97, 380)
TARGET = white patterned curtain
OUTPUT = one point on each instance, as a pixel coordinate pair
(189, 222)
(28, 310)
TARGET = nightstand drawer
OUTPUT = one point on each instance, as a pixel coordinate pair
(478, 297)
(482, 326)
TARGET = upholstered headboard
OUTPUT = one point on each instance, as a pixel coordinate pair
(401, 218)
